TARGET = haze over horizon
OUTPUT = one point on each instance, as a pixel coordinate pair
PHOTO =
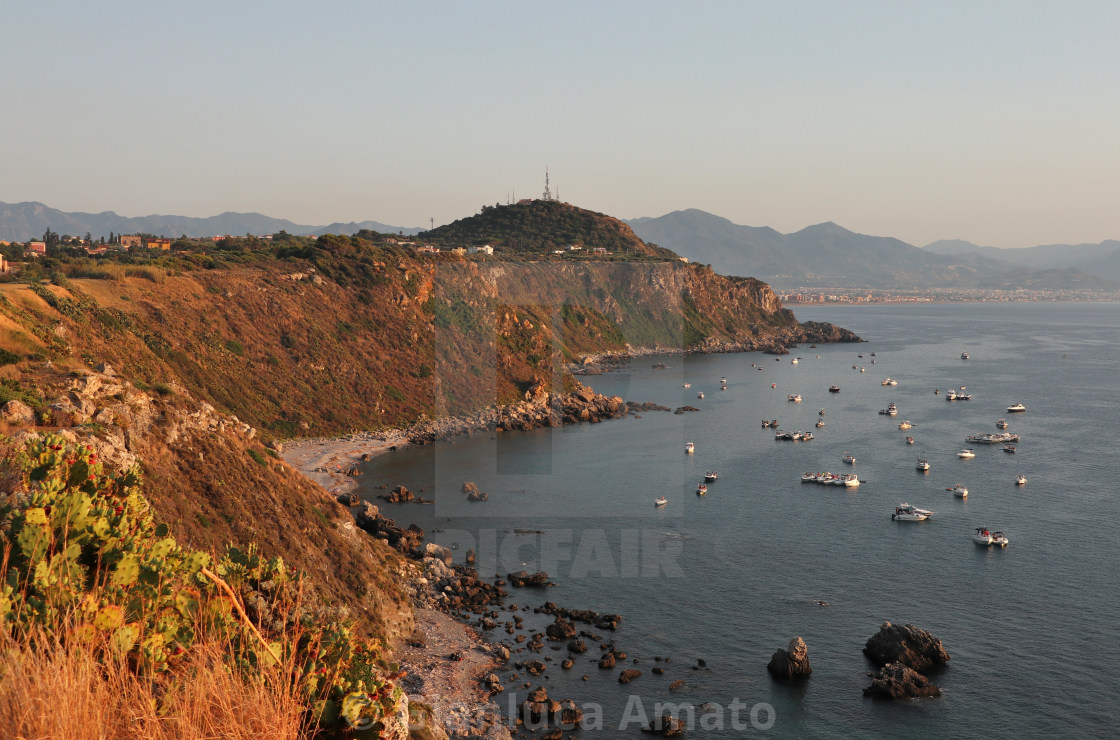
(991, 123)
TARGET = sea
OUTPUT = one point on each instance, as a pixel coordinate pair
(710, 586)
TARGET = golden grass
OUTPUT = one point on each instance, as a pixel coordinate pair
(54, 690)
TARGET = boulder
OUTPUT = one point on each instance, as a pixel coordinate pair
(535, 667)
(560, 630)
(577, 646)
(913, 647)
(523, 578)
(897, 681)
(793, 663)
(629, 675)
(607, 661)
(17, 412)
(400, 494)
(666, 725)
(439, 552)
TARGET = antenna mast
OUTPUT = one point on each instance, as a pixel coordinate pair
(547, 192)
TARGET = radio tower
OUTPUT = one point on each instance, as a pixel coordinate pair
(547, 192)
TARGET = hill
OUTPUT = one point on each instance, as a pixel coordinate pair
(828, 254)
(25, 221)
(539, 227)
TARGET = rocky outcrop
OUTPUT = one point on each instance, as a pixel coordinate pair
(666, 725)
(790, 664)
(897, 681)
(913, 647)
(524, 579)
(17, 413)
(629, 675)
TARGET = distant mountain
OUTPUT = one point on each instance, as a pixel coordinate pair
(23, 221)
(1082, 257)
(827, 254)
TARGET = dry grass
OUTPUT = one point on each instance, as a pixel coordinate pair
(62, 691)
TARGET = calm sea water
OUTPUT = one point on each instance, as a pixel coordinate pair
(730, 577)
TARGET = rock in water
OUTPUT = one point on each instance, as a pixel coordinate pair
(666, 725)
(909, 645)
(896, 681)
(792, 663)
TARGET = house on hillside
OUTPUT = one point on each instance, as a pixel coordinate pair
(164, 244)
(574, 248)
(484, 249)
(37, 249)
(132, 240)
(600, 250)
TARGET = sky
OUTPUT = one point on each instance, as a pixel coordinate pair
(993, 121)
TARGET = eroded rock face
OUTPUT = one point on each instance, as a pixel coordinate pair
(897, 681)
(792, 663)
(909, 645)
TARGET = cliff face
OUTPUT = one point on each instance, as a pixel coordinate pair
(379, 338)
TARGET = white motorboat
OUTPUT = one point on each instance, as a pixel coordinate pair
(723, 379)
(833, 389)
(850, 480)
(701, 489)
(820, 423)
(794, 398)
(986, 537)
(889, 381)
(922, 464)
(794, 361)
(850, 459)
(1009, 448)
(1015, 407)
(689, 448)
(687, 385)
(907, 513)
(661, 501)
(905, 425)
(958, 490)
(862, 370)
(966, 453)
(964, 355)
(1001, 424)
(710, 477)
(809, 477)
(892, 411)
(806, 436)
(700, 394)
(820, 412)
(1021, 480)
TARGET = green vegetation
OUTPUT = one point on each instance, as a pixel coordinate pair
(85, 561)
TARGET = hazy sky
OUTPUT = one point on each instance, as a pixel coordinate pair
(995, 122)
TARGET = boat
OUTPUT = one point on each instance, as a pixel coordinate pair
(986, 538)
(889, 381)
(1016, 407)
(687, 385)
(860, 355)
(723, 379)
(953, 395)
(909, 440)
(807, 436)
(809, 477)
(794, 398)
(820, 412)
(922, 464)
(995, 438)
(964, 355)
(1021, 480)
(794, 361)
(850, 480)
(710, 477)
(689, 448)
(770, 423)
(723, 387)
(966, 453)
(958, 490)
(936, 391)
(833, 389)
(905, 425)
(701, 489)
(907, 513)
(862, 370)
(1009, 448)
(1001, 424)
(892, 411)
(872, 354)
(820, 423)
(850, 459)
(700, 394)
(661, 501)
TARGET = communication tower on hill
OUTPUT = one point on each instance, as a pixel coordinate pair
(547, 193)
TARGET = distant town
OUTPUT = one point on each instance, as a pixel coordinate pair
(834, 295)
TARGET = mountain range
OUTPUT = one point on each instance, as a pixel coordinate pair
(24, 221)
(828, 254)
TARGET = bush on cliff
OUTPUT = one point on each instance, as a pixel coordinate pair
(89, 575)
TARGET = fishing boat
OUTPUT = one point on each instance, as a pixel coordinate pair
(689, 448)
(850, 459)
(907, 513)
(922, 464)
(661, 501)
(1016, 407)
(958, 490)
(1021, 480)
(985, 537)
